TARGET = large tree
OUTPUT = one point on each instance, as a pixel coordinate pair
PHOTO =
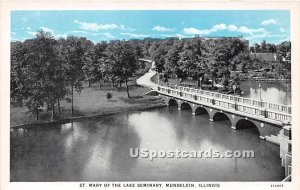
(173, 61)
(123, 61)
(93, 62)
(73, 51)
(36, 73)
(26, 82)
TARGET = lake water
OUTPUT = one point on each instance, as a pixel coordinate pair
(98, 150)
(273, 92)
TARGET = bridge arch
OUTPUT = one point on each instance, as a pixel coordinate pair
(221, 116)
(185, 106)
(172, 102)
(248, 124)
(201, 110)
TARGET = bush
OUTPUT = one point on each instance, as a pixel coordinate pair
(68, 100)
(109, 95)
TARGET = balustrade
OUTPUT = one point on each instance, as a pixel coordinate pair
(245, 105)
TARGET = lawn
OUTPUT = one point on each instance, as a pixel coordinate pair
(92, 101)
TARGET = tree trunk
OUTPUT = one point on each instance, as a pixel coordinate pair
(120, 84)
(112, 83)
(37, 114)
(127, 87)
(99, 84)
(198, 83)
(72, 109)
(58, 106)
(89, 83)
(52, 112)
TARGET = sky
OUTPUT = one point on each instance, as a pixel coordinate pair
(254, 25)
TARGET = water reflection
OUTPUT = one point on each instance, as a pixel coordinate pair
(156, 133)
(98, 150)
(273, 92)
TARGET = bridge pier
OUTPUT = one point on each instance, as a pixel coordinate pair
(194, 109)
(262, 125)
(211, 114)
(233, 121)
(179, 105)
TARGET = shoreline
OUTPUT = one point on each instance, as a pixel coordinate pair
(79, 118)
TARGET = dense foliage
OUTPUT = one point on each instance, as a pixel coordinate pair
(45, 70)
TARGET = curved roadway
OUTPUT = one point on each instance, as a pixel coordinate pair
(145, 80)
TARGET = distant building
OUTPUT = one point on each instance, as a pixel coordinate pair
(265, 57)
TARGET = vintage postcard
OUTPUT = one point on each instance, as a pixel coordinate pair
(157, 95)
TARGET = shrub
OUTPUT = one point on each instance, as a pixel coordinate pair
(109, 95)
(68, 100)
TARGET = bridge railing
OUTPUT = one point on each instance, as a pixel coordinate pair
(262, 104)
(276, 112)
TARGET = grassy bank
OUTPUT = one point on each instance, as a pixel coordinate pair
(90, 102)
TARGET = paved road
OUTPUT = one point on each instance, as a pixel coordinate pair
(145, 80)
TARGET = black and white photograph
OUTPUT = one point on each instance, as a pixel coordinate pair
(151, 96)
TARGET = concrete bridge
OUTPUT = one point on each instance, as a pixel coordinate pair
(268, 118)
